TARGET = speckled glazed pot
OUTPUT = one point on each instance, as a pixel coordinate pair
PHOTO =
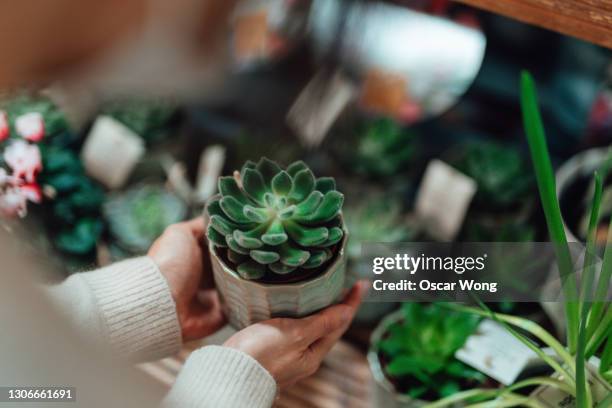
(246, 302)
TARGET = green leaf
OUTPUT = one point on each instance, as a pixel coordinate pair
(268, 169)
(214, 208)
(317, 258)
(247, 239)
(328, 209)
(254, 214)
(287, 213)
(221, 225)
(228, 187)
(303, 185)
(216, 238)
(234, 246)
(295, 167)
(292, 257)
(546, 185)
(254, 185)
(306, 236)
(281, 183)
(335, 235)
(264, 257)
(251, 270)
(325, 184)
(309, 205)
(280, 269)
(81, 239)
(234, 210)
(275, 234)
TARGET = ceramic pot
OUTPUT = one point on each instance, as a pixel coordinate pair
(384, 392)
(246, 302)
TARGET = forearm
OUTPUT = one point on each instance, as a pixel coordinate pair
(219, 377)
(127, 306)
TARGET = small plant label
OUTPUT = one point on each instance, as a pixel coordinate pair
(111, 151)
(443, 200)
(495, 352)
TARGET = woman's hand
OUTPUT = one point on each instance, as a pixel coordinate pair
(292, 349)
(186, 266)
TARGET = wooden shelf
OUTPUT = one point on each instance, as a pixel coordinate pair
(590, 20)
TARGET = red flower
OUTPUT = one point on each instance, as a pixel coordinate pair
(4, 126)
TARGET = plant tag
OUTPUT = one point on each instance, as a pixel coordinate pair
(111, 151)
(495, 352)
(318, 106)
(443, 199)
(209, 170)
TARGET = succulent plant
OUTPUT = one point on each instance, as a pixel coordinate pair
(273, 221)
(137, 217)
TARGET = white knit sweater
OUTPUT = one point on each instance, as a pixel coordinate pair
(128, 306)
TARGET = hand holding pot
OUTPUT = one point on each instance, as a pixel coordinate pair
(292, 349)
(186, 266)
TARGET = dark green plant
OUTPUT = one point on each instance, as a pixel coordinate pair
(276, 221)
(148, 118)
(500, 172)
(140, 215)
(383, 148)
(420, 349)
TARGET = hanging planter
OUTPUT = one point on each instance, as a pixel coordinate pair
(277, 242)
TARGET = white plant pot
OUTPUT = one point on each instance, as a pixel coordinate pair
(246, 302)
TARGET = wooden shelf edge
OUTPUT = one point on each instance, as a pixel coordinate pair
(571, 17)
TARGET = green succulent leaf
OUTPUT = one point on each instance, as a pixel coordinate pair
(303, 185)
(228, 187)
(328, 209)
(217, 239)
(256, 214)
(287, 213)
(325, 184)
(254, 185)
(306, 236)
(222, 225)
(317, 258)
(247, 239)
(281, 269)
(282, 183)
(335, 235)
(234, 210)
(292, 257)
(251, 270)
(234, 246)
(295, 167)
(264, 257)
(268, 170)
(310, 204)
(275, 234)
(214, 208)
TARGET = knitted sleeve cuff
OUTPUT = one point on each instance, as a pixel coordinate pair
(136, 309)
(216, 376)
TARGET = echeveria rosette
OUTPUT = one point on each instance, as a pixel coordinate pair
(276, 221)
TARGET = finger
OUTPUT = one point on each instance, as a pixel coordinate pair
(334, 317)
(196, 226)
(206, 316)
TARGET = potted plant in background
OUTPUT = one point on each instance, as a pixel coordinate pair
(412, 356)
(139, 215)
(277, 242)
(576, 378)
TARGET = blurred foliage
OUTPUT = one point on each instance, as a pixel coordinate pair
(17, 105)
(148, 118)
(382, 148)
(501, 173)
(420, 351)
(374, 218)
(140, 215)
